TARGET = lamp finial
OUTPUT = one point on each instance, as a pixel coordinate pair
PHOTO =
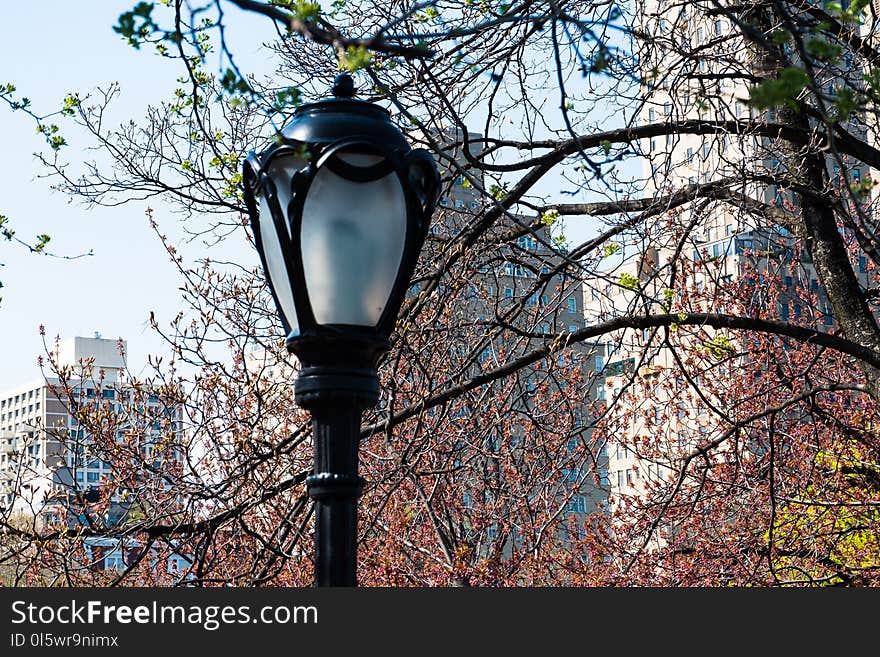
(343, 86)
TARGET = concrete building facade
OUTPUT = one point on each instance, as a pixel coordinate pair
(50, 468)
(696, 70)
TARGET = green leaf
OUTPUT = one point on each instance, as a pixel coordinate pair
(42, 241)
(233, 83)
(862, 189)
(428, 14)
(780, 36)
(497, 192)
(824, 50)
(291, 96)
(628, 281)
(69, 105)
(302, 9)
(610, 249)
(718, 347)
(784, 90)
(549, 217)
(137, 24)
(844, 102)
(355, 58)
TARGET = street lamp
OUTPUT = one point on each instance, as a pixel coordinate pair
(339, 205)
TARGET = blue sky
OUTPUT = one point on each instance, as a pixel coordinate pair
(47, 50)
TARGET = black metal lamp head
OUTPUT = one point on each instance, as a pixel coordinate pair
(340, 206)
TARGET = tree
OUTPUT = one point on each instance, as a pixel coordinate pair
(588, 121)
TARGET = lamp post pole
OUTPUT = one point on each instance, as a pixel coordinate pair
(336, 398)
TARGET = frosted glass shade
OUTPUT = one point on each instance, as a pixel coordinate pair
(353, 236)
(275, 267)
(281, 171)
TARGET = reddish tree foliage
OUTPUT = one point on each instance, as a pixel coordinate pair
(640, 347)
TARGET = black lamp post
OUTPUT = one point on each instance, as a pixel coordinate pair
(340, 206)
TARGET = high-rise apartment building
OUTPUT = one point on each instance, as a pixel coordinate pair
(51, 466)
(524, 294)
(722, 197)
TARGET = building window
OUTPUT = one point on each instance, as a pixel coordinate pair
(572, 305)
(508, 293)
(577, 504)
(526, 243)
